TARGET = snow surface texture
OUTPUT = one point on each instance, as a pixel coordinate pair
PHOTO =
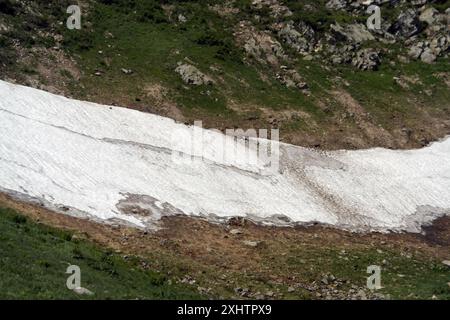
(116, 165)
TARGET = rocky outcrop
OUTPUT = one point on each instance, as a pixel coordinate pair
(428, 51)
(351, 33)
(262, 48)
(366, 59)
(260, 45)
(301, 38)
(423, 29)
(407, 24)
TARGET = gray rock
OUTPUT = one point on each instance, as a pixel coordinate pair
(353, 32)
(293, 38)
(235, 231)
(252, 244)
(191, 75)
(416, 50)
(446, 262)
(428, 56)
(440, 44)
(83, 291)
(429, 15)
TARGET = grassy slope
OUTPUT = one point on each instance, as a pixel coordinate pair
(152, 47)
(34, 259)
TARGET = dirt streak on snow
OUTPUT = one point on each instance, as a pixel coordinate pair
(91, 159)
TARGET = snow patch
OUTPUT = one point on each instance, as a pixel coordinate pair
(104, 161)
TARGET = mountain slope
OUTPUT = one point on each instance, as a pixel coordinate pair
(310, 68)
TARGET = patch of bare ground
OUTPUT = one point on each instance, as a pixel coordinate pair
(224, 260)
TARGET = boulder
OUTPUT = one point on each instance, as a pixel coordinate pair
(191, 75)
(428, 56)
(429, 15)
(416, 50)
(353, 33)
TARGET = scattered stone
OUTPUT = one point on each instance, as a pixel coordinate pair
(252, 244)
(126, 71)
(235, 231)
(446, 262)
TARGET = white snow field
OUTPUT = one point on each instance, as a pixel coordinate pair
(116, 165)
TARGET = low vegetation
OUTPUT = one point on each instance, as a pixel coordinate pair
(34, 259)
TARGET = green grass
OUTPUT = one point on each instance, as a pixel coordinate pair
(34, 259)
(153, 48)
